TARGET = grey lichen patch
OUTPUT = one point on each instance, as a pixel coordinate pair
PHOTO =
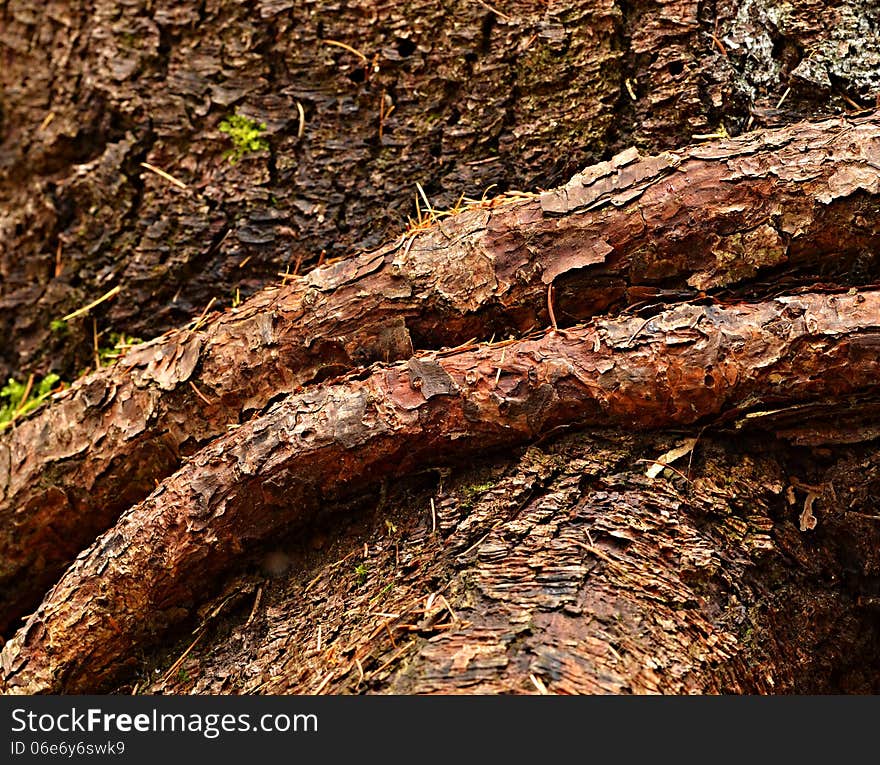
(846, 54)
(749, 38)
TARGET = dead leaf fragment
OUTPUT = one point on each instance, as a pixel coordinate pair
(659, 465)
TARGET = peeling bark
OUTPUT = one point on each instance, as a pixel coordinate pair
(563, 561)
(795, 203)
(678, 367)
(453, 95)
(564, 564)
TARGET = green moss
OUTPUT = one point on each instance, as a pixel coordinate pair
(119, 345)
(477, 488)
(471, 493)
(246, 134)
(18, 399)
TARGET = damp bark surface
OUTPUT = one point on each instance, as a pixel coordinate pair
(721, 221)
(455, 96)
(692, 363)
(566, 563)
(605, 424)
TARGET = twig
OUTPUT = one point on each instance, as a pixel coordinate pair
(784, 96)
(536, 681)
(23, 403)
(46, 121)
(482, 539)
(255, 607)
(494, 10)
(174, 667)
(694, 448)
(334, 565)
(86, 308)
(721, 133)
(500, 364)
(162, 174)
(327, 678)
(201, 318)
(201, 395)
(393, 657)
(449, 608)
(95, 343)
(593, 550)
(485, 161)
(635, 334)
(302, 120)
(852, 103)
(409, 243)
(668, 466)
(718, 42)
(427, 203)
(550, 307)
(346, 47)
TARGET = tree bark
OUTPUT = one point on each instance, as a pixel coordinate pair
(704, 220)
(453, 95)
(565, 562)
(676, 368)
(476, 547)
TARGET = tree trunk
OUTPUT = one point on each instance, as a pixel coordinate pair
(726, 290)
(564, 562)
(676, 368)
(454, 96)
(707, 220)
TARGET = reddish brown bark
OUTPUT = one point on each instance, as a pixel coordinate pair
(754, 567)
(793, 202)
(564, 562)
(455, 96)
(679, 367)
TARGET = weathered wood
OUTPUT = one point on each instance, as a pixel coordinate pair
(799, 201)
(678, 367)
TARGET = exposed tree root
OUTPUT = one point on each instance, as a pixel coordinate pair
(677, 368)
(797, 203)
